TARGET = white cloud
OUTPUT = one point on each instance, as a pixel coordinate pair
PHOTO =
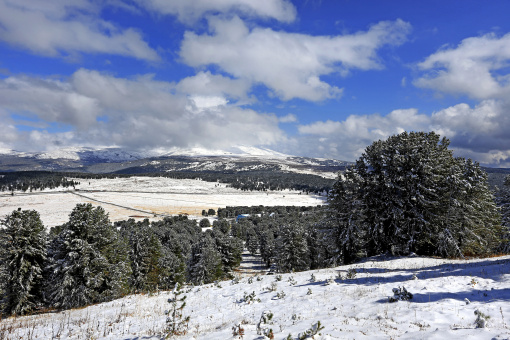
(477, 67)
(191, 10)
(348, 139)
(60, 27)
(137, 113)
(207, 84)
(479, 132)
(289, 64)
(289, 118)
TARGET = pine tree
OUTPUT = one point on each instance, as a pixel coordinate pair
(293, 254)
(267, 246)
(252, 241)
(89, 261)
(409, 194)
(23, 245)
(205, 264)
(230, 249)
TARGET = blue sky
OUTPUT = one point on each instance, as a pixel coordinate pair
(311, 78)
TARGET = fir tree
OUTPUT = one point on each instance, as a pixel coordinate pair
(23, 242)
(409, 194)
(293, 254)
(267, 246)
(205, 263)
(88, 260)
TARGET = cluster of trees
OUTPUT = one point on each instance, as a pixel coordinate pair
(33, 180)
(231, 212)
(405, 194)
(90, 260)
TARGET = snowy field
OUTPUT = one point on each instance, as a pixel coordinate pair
(446, 295)
(145, 197)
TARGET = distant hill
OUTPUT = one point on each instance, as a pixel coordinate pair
(113, 160)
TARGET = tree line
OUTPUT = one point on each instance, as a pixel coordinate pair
(90, 260)
(246, 181)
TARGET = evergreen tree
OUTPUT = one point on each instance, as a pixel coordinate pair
(293, 254)
(409, 194)
(267, 246)
(252, 241)
(89, 261)
(23, 242)
(205, 264)
(230, 249)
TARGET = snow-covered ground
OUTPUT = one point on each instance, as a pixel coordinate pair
(146, 196)
(446, 295)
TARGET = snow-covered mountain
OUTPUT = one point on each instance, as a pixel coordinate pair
(114, 155)
(105, 160)
(234, 151)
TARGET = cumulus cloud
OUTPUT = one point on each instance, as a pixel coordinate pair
(348, 139)
(136, 113)
(189, 11)
(289, 64)
(479, 132)
(59, 27)
(477, 67)
(207, 84)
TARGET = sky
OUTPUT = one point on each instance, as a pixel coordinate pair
(307, 78)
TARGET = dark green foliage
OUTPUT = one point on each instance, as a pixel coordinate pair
(292, 249)
(88, 260)
(252, 241)
(23, 242)
(205, 264)
(230, 249)
(34, 180)
(267, 246)
(204, 223)
(409, 194)
(250, 180)
(503, 201)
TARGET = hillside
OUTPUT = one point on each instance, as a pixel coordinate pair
(446, 295)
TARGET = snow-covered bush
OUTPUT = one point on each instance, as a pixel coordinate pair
(292, 281)
(311, 332)
(351, 274)
(238, 331)
(400, 294)
(482, 320)
(249, 298)
(176, 322)
(266, 319)
(280, 295)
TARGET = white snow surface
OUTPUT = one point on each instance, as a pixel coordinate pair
(145, 197)
(348, 309)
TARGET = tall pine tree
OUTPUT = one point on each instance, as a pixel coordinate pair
(88, 260)
(22, 258)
